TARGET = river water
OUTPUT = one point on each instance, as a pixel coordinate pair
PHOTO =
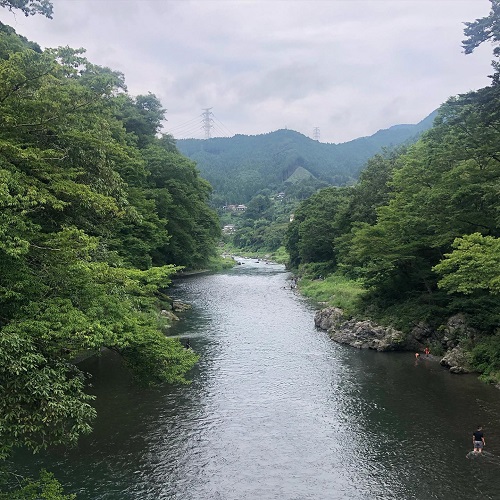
(277, 411)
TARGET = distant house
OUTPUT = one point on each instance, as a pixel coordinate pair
(241, 208)
(292, 216)
(229, 228)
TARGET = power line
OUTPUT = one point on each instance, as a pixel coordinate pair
(210, 124)
(316, 134)
(189, 128)
(225, 129)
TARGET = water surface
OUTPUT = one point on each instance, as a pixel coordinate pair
(277, 411)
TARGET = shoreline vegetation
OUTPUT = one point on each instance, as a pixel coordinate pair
(455, 344)
(279, 256)
(223, 261)
(96, 206)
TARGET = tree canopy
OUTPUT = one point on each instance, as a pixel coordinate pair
(240, 167)
(29, 7)
(97, 213)
(421, 226)
(482, 30)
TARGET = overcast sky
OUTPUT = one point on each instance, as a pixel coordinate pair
(347, 67)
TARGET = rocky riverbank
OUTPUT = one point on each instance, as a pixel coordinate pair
(368, 335)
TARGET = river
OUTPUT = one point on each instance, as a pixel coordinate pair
(277, 411)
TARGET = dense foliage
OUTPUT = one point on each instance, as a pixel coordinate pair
(97, 212)
(421, 229)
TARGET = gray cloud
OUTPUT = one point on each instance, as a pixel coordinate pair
(349, 67)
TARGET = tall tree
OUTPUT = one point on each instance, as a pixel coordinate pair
(311, 235)
(68, 173)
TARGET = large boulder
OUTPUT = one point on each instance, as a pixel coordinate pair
(169, 315)
(457, 361)
(367, 335)
(179, 306)
(360, 334)
(328, 317)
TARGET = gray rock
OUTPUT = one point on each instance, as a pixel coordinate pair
(179, 306)
(367, 335)
(456, 330)
(169, 314)
(328, 317)
(359, 334)
(457, 361)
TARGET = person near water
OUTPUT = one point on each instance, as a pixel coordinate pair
(478, 440)
(417, 355)
(427, 351)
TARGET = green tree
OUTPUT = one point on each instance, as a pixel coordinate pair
(29, 7)
(485, 29)
(311, 235)
(181, 198)
(442, 188)
(46, 487)
(71, 181)
(257, 207)
(141, 116)
(473, 265)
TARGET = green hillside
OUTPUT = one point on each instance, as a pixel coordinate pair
(241, 166)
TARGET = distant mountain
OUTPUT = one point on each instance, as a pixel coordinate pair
(239, 167)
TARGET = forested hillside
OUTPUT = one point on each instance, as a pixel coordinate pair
(97, 212)
(420, 231)
(241, 166)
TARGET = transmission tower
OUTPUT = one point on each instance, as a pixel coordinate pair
(207, 122)
(316, 134)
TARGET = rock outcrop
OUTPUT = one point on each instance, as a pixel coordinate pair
(179, 306)
(368, 335)
(457, 361)
(359, 334)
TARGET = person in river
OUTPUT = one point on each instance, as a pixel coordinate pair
(478, 440)
(427, 352)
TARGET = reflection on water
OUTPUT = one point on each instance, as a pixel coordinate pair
(276, 410)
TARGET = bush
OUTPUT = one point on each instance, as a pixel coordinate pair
(46, 487)
(485, 358)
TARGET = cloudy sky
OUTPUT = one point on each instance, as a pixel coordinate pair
(347, 67)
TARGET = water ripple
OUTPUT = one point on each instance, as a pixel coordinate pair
(276, 411)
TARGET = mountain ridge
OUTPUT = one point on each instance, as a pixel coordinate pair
(238, 167)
